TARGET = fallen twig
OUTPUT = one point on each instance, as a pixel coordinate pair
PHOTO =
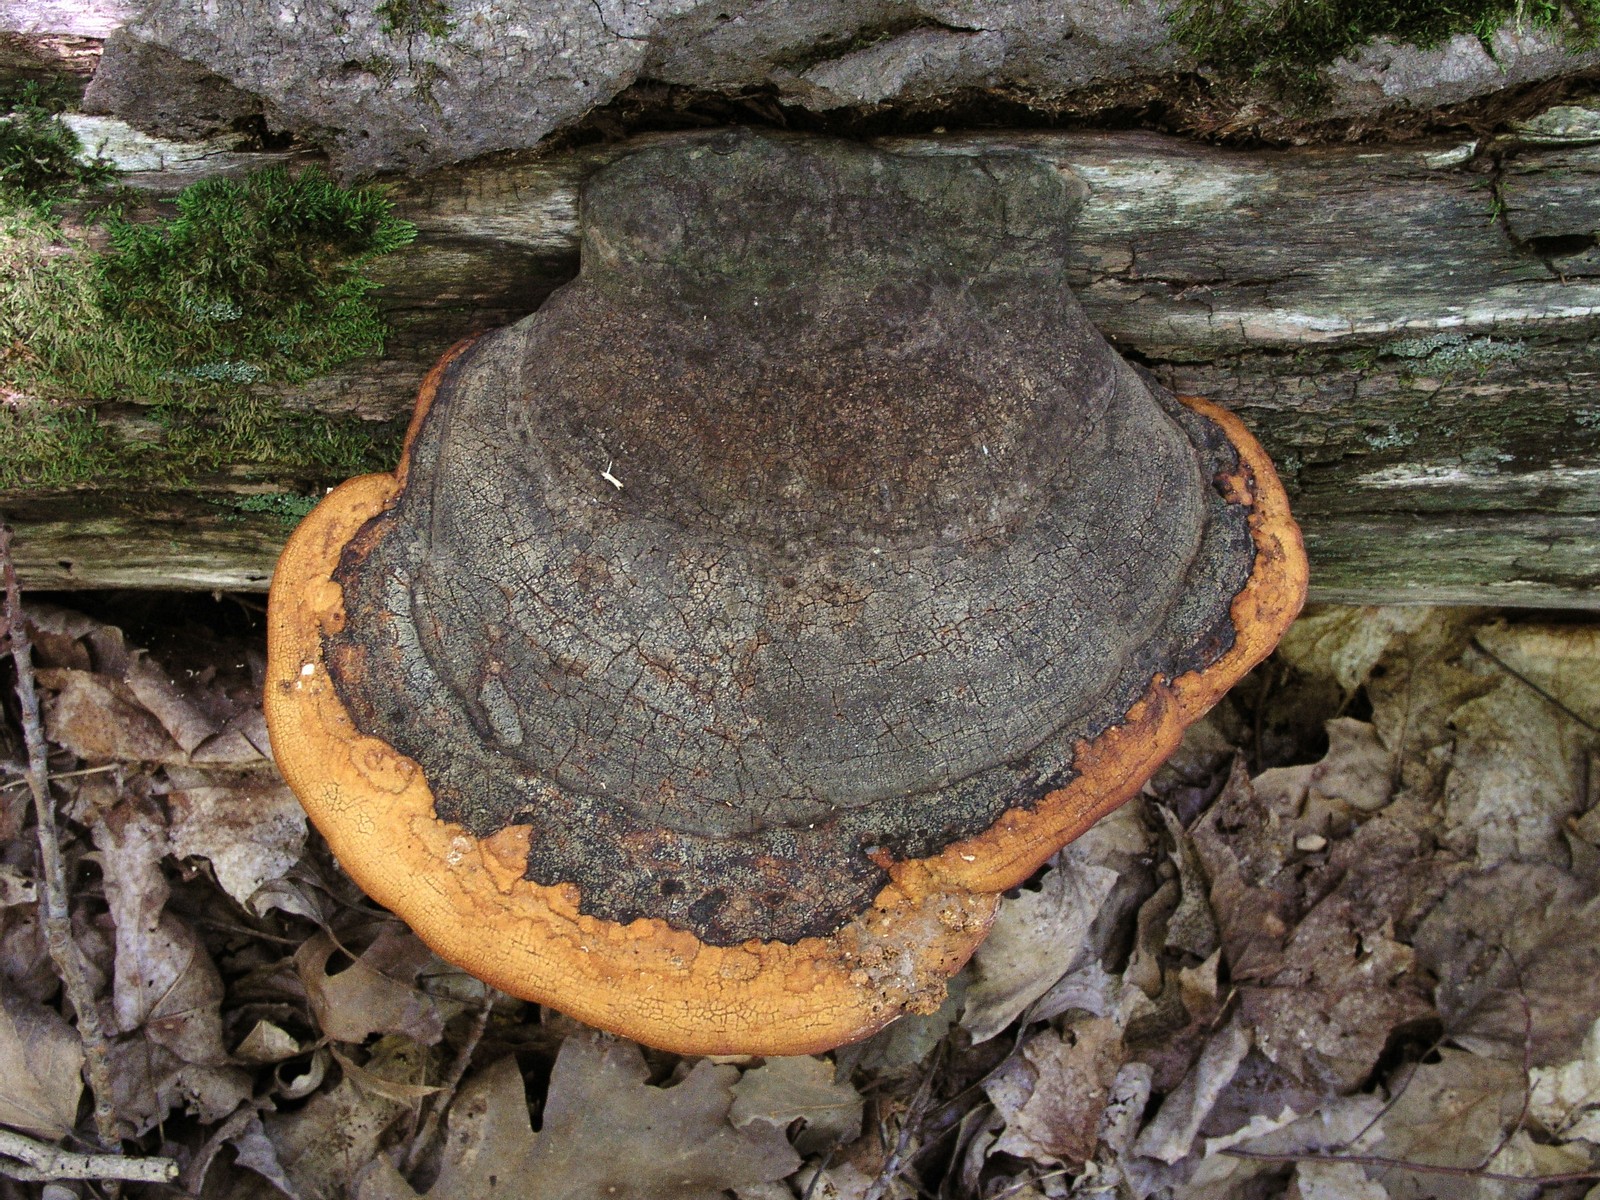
(35, 1162)
(910, 1126)
(1401, 1164)
(451, 1081)
(55, 916)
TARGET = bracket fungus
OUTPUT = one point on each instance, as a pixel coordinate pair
(738, 626)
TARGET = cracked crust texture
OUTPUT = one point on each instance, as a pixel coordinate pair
(736, 628)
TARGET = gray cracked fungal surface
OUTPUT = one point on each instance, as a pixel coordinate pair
(812, 520)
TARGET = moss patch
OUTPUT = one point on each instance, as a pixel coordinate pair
(254, 281)
(289, 508)
(1284, 42)
(411, 18)
(39, 156)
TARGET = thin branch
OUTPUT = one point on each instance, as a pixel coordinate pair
(55, 913)
(35, 1162)
(1528, 683)
(23, 782)
(909, 1126)
(1401, 1164)
(452, 1080)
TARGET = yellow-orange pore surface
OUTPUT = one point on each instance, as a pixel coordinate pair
(467, 898)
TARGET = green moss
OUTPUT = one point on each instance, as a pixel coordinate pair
(410, 18)
(54, 447)
(243, 430)
(289, 508)
(254, 281)
(39, 156)
(1284, 42)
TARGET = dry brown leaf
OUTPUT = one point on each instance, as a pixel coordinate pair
(1517, 932)
(1053, 1095)
(324, 1147)
(164, 700)
(1450, 1113)
(99, 719)
(1172, 1131)
(1521, 751)
(606, 1130)
(1334, 1181)
(1191, 927)
(381, 1085)
(784, 1090)
(1035, 940)
(164, 980)
(41, 1060)
(1346, 643)
(266, 1043)
(606, 1133)
(374, 994)
(1219, 1175)
(1345, 983)
(1322, 979)
(908, 1040)
(1565, 1100)
(15, 887)
(149, 1081)
(250, 827)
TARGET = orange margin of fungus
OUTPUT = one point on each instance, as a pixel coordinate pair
(467, 899)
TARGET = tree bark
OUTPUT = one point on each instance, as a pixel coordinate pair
(1411, 330)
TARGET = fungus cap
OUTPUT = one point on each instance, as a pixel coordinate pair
(738, 626)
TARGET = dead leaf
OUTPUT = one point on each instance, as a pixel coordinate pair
(149, 1081)
(374, 994)
(1322, 979)
(1053, 1095)
(380, 1085)
(1344, 988)
(1347, 643)
(41, 1063)
(1244, 842)
(606, 1133)
(1449, 1113)
(1566, 1099)
(15, 887)
(326, 1145)
(1521, 749)
(100, 720)
(784, 1090)
(249, 826)
(162, 698)
(1335, 1181)
(266, 1043)
(1517, 932)
(1332, 1128)
(907, 1041)
(1191, 927)
(1170, 1134)
(605, 1130)
(1035, 940)
(164, 979)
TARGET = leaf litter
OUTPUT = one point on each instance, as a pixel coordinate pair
(1345, 944)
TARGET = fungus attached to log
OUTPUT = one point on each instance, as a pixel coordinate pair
(797, 579)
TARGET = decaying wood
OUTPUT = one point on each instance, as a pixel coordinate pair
(1411, 330)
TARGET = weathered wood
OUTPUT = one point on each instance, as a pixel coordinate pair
(1410, 330)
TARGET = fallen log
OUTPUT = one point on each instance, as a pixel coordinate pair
(1411, 331)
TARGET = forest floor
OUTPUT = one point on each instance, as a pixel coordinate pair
(1345, 945)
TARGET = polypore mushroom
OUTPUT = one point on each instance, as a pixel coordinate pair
(797, 579)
